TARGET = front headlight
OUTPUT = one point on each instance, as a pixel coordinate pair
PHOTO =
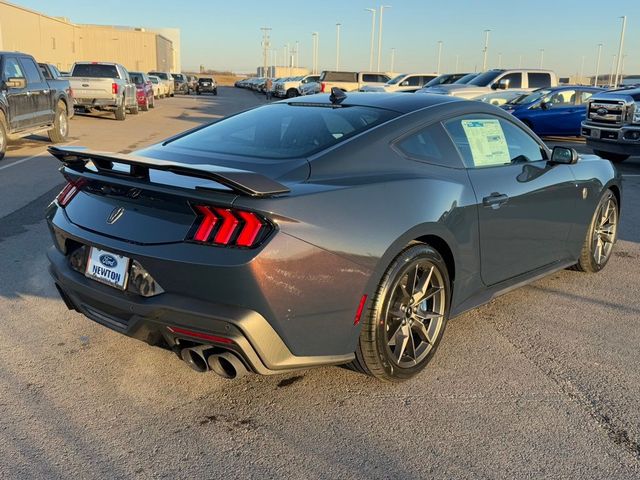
(636, 113)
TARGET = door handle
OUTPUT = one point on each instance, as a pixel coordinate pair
(495, 200)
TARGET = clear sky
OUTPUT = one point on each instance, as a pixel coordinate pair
(225, 34)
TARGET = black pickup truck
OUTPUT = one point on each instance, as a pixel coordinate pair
(29, 103)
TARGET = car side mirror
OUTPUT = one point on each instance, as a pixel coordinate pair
(502, 84)
(564, 156)
(545, 105)
(16, 82)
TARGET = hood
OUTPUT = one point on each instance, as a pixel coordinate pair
(626, 94)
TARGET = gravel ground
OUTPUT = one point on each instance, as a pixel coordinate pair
(543, 382)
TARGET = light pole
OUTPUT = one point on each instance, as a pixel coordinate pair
(314, 53)
(457, 63)
(266, 45)
(595, 82)
(613, 67)
(500, 60)
(485, 49)
(439, 56)
(382, 7)
(520, 61)
(393, 59)
(541, 57)
(373, 34)
(297, 53)
(624, 27)
(582, 69)
(338, 25)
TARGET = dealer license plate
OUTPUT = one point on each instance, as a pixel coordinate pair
(108, 268)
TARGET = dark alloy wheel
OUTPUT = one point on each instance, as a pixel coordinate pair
(601, 236)
(408, 316)
(612, 157)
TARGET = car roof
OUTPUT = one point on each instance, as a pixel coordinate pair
(399, 102)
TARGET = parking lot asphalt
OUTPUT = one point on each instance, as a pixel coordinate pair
(543, 382)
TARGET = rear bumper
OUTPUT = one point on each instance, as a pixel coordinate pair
(150, 320)
(96, 102)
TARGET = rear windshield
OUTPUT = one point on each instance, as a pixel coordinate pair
(95, 70)
(284, 131)
(162, 75)
(339, 77)
(204, 80)
(137, 78)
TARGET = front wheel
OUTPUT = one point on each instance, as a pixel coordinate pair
(60, 130)
(3, 136)
(613, 157)
(215, 92)
(121, 112)
(601, 236)
(407, 317)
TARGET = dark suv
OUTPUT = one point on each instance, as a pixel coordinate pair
(207, 85)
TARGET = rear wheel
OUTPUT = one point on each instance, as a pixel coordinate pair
(407, 317)
(601, 236)
(613, 157)
(153, 102)
(134, 110)
(215, 92)
(292, 92)
(121, 112)
(60, 128)
(3, 136)
(145, 105)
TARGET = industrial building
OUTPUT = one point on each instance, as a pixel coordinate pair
(58, 41)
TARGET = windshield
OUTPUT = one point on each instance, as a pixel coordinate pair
(95, 70)
(485, 79)
(161, 75)
(397, 79)
(438, 81)
(532, 97)
(466, 79)
(281, 131)
(154, 79)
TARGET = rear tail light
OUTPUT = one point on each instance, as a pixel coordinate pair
(323, 86)
(228, 227)
(69, 191)
(114, 88)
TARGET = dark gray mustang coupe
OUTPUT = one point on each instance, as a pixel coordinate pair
(323, 230)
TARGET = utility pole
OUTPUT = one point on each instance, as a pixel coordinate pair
(338, 25)
(439, 56)
(595, 82)
(314, 41)
(624, 27)
(541, 57)
(382, 7)
(373, 34)
(266, 45)
(393, 59)
(613, 67)
(485, 50)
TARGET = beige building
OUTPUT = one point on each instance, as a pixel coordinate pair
(61, 42)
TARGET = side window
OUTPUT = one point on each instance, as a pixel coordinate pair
(487, 141)
(12, 69)
(584, 96)
(539, 80)
(426, 79)
(31, 70)
(430, 145)
(367, 77)
(515, 79)
(563, 98)
(413, 81)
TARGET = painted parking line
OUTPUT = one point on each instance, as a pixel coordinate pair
(22, 160)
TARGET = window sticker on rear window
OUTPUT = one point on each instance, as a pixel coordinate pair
(487, 142)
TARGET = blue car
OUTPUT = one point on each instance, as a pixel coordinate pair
(553, 111)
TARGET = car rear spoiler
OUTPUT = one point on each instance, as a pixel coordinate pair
(240, 181)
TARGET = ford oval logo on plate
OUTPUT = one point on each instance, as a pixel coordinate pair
(602, 111)
(108, 261)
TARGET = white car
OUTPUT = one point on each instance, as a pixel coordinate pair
(292, 87)
(405, 82)
(160, 89)
(167, 79)
(501, 97)
(498, 79)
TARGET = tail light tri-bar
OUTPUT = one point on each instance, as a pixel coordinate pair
(228, 227)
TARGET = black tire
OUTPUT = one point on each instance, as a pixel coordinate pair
(172, 94)
(121, 112)
(215, 92)
(153, 103)
(613, 157)
(134, 110)
(373, 353)
(3, 136)
(590, 260)
(292, 92)
(199, 92)
(145, 106)
(60, 130)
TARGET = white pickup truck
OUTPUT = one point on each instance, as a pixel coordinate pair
(350, 81)
(103, 86)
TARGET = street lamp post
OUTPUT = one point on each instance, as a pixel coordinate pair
(595, 82)
(485, 49)
(613, 67)
(439, 56)
(500, 60)
(457, 63)
(382, 7)
(624, 27)
(338, 25)
(541, 57)
(373, 34)
(582, 69)
(393, 59)
(314, 52)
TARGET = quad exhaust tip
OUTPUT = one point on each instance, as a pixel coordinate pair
(226, 364)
